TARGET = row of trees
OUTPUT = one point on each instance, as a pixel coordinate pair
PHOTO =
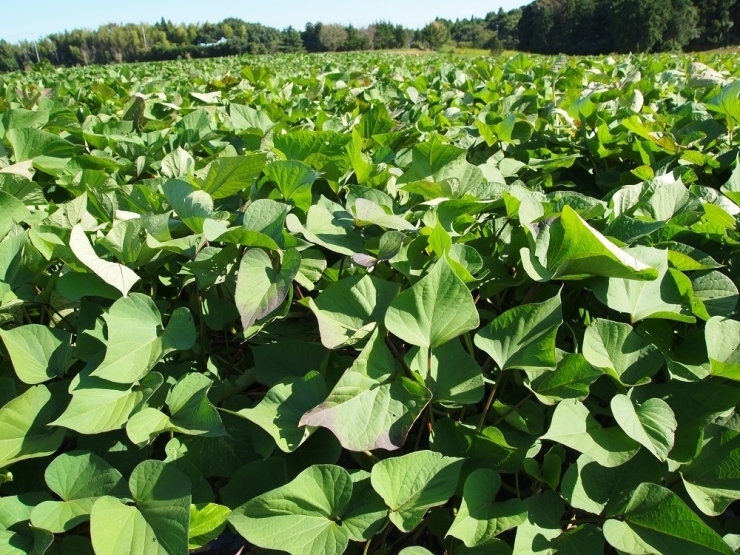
(543, 26)
(602, 26)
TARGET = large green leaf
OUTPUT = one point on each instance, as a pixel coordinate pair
(454, 376)
(79, 478)
(158, 523)
(112, 273)
(435, 310)
(727, 102)
(38, 353)
(293, 180)
(350, 310)
(573, 426)
(480, 517)
(100, 406)
(207, 522)
(652, 424)
(29, 143)
(591, 487)
(24, 430)
(723, 347)
(191, 204)
(576, 251)
(523, 337)
(260, 288)
(535, 535)
(619, 351)
(136, 340)
(318, 512)
(230, 174)
(712, 479)
(413, 483)
(656, 521)
(190, 411)
(571, 379)
(328, 225)
(661, 298)
(373, 405)
(280, 412)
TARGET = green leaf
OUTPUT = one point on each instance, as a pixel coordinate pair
(652, 424)
(619, 351)
(100, 406)
(535, 535)
(657, 521)
(588, 486)
(12, 211)
(368, 212)
(38, 353)
(576, 251)
(191, 204)
(157, 524)
(112, 273)
(24, 430)
(375, 121)
(178, 163)
(29, 143)
(279, 413)
(267, 217)
(429, 159)
(488, 448)
(712, 479)
(190, 413)
(717, 292)
(413, 483)
(350, 309)
(293, 180)
(79, 478)
(207, 521)
(727, 102)
(260, 288)
(312, 514)
(242, 486)
(662, 298)
(244, 118)
(136, 340)
(573, 426)
(454, 376)
(723, 347)
(373, 406)
(571, 379)
(480, 518)
(731, 189)
(523, 337)
(435, 310)
(229, 175)
(328, 225)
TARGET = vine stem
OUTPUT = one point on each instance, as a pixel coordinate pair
(385, 536)
(489, 401)
(399, 358)
(512, 409)
(372, 457)
(202, 329)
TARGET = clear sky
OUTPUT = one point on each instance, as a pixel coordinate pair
(36, 18)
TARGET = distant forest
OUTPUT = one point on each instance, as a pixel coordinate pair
(544, 26)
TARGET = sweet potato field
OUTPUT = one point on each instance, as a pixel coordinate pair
(371, 304)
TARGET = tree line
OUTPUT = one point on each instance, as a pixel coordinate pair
(543, 26)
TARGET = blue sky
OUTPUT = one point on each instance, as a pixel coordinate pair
(38, 18)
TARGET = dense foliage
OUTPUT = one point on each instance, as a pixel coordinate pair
(543, 26)
(357, 303)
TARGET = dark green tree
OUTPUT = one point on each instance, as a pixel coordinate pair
(714, 24)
